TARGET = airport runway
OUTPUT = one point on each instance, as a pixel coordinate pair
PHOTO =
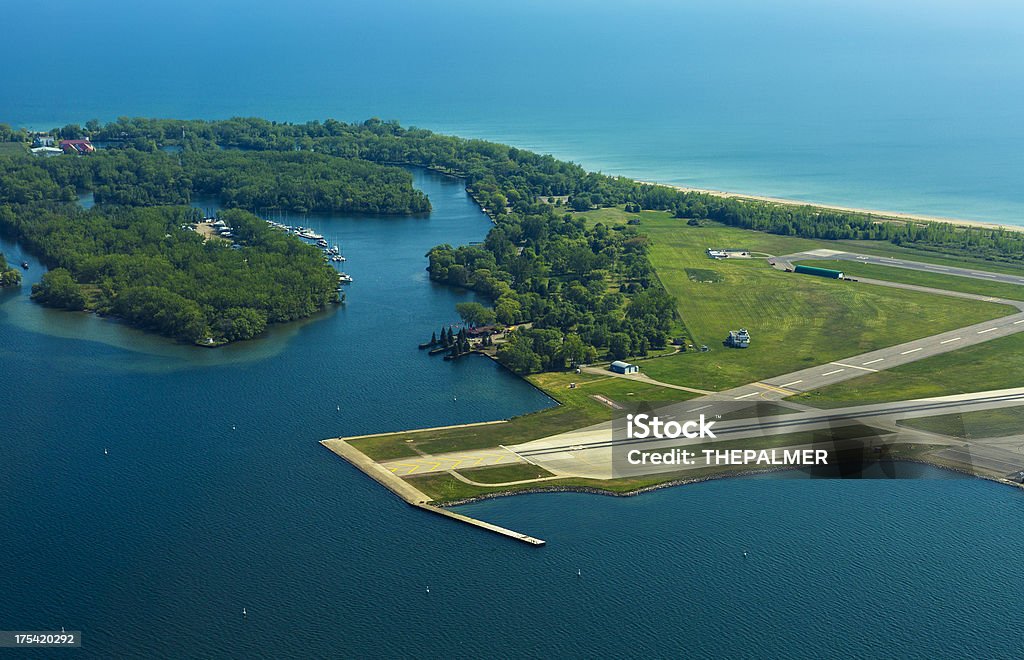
(973, 273)
(599, 451)
(590, 452)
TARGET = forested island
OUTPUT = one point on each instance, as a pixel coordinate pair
(579, 292)
(8, 276)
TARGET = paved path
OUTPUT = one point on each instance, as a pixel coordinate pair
(642, 378)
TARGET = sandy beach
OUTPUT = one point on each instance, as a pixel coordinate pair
(881, 215)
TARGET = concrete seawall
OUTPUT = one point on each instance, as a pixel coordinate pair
(409, 493)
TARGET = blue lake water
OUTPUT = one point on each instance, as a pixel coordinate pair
(215, 496)
(153, 549)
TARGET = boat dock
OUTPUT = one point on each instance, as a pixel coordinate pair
(410, 494)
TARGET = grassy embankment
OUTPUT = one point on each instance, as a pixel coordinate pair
(795, 321)
(923, 278)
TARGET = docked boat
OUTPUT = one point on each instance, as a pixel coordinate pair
(344, 278)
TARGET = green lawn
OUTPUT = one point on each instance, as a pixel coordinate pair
(922, 278)
(505, 473)
(795, 321)
(578, 409)
(996, 423)
(993, 365)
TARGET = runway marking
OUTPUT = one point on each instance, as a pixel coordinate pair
(829, 373)
(937, 267)
(981, 332)
(852, 366)
(1018, 322)
(873, 361)
(914, 350)
(950, 340)
(982, 274)
(774, 388)
(700, 408)
(793, 383)
(745, 396)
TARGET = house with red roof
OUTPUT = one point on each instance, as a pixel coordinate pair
(77, 146)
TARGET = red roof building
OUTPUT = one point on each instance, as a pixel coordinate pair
(77, 146)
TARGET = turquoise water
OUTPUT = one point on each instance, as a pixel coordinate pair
(215, 494)
(910, 106)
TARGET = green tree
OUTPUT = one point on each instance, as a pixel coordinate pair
(58, 288)
(573, 349)
(474, 313)
(518, 355)
(620, 345)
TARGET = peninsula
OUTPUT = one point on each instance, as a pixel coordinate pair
(611, 295)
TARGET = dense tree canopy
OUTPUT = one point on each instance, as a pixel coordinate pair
(578, 287)
(9, 276)
(143, 265)
(583, 291)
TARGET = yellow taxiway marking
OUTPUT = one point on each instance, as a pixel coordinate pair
(776, 388)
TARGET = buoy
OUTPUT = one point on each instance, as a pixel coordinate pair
(244, 613)
(232, 427)
(579, 573)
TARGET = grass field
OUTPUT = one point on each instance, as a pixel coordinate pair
(922, 278)
(993, 365)
(997, 423)
(505, 473)
(12, 148)
(795, 321)
(579, 408)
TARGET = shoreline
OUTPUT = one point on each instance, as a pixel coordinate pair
(880, 214)
(591, 490)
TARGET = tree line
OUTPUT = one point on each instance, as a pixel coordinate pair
(503, 177)
(293, 181)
